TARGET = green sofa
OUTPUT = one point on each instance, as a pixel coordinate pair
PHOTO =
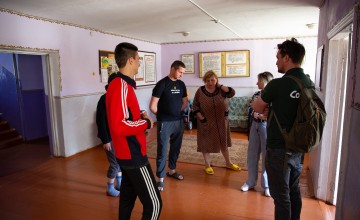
(238, 113)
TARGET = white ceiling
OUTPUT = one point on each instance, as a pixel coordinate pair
(162, 21)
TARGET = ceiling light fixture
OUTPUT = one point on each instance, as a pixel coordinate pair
(311, 25)
(185, 33)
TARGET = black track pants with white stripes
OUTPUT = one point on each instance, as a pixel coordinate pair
(139, 182)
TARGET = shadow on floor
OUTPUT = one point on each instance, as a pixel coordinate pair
(24, 156)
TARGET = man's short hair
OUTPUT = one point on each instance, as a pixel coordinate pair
(177, 63)
(293, 49)
(123, 52)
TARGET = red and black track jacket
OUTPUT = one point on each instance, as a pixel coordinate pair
(125, 123)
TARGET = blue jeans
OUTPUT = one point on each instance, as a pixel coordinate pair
(284, 169)
(166, 130)
(257, 145)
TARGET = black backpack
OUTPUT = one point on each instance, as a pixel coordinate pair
(306, 132)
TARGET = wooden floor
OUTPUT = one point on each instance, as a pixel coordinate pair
(35, 186)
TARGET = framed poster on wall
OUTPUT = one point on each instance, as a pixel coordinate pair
(147, 70)
(225, 64)
(146, 73)
(149, 64)
(188, 60)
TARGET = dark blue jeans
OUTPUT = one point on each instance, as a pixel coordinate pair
(284, 169)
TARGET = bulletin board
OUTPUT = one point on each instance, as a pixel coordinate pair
(107, 65)
(234, 63)
(146, 74)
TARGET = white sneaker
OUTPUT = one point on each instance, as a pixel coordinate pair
(267, 192)
(245, 187)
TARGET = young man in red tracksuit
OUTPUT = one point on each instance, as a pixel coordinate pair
(127, 127)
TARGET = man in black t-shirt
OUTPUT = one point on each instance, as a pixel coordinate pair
(168, 99)
(283, 166)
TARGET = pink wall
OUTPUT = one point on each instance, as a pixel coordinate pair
(79, 52)
(77, 86)
(262, 58)
(78, 49)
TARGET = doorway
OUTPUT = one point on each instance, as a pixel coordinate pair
(24, 103)
(336, 97)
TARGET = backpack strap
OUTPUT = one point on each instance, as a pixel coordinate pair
(298, 82)
(283, 131)
(301, 83)
(301, 86)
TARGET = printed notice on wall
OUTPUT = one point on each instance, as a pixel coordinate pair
(234, 63)
(235, 58)
(149, 68)
(236, 70)
(237, 63)
(140, 75)
(189, 61)
(211, 61)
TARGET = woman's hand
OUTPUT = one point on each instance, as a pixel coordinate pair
(266, 112)
(223, 88)
(203, 120)
(260, 116)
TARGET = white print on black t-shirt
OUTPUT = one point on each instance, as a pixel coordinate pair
(294, 94)
(175, 91)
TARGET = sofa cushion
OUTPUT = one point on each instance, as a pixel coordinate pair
(238, 111)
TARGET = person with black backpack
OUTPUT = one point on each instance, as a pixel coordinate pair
(283, 164)
(127, 125)
(105, 137)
